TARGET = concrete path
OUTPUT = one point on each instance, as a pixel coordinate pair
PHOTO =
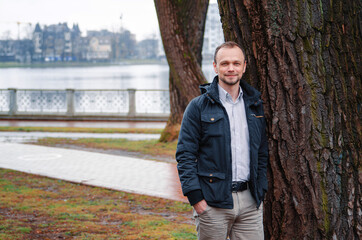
(19, 137)
(115, 172)
(86, 124)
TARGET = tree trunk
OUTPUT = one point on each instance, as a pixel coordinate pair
(304, 56)
(182, 25)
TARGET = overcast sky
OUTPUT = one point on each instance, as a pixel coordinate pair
(138, 16)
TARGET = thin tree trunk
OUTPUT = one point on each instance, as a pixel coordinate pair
(304, 56)
(182, 25)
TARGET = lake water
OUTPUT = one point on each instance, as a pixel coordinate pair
(152, 76)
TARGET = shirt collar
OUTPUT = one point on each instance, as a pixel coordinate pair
(226, 97)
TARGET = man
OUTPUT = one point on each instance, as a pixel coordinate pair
(222, 152)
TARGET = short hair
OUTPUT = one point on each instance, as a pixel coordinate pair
(229, 44)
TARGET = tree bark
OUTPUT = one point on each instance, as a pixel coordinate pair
(304, 56)
(182, 25)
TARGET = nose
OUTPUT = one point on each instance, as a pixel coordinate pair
(231, 68)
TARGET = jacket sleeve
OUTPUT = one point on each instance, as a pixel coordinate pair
(187, 153)
(263, 158)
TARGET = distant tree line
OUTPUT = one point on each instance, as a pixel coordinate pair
(59, 43)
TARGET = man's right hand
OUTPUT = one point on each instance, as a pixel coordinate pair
(200, 207)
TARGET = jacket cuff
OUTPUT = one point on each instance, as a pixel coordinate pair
(195, 196)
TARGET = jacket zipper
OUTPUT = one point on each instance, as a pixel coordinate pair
(256, 116)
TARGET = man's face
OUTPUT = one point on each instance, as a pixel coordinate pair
(230, 65)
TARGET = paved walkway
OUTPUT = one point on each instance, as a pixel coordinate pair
(19, 137)
(87, 124)
(115, 172)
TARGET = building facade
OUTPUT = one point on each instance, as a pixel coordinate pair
(56, 43)
(99, 46)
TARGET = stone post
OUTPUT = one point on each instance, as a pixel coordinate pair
(131, 102)
(13, 107)
(70, 102)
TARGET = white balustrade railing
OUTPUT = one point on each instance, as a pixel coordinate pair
(73, 103)
(4, 100)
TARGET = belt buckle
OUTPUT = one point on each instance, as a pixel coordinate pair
(234, 187)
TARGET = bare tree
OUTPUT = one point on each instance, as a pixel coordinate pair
(182, 25)
(304, 56)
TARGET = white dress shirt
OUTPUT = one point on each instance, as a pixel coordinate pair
(240, 150)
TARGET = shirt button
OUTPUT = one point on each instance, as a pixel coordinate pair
(210, 180)
(210, 174)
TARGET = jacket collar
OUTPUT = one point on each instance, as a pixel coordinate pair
(211, 90)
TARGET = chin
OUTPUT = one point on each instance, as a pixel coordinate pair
(233, 83)
(230, 82)
(233, 80)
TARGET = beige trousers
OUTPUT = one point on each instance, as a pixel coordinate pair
(244, 221)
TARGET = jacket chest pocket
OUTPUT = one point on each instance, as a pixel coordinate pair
(212, 124)
(255, 124)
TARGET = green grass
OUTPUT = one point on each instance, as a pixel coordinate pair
(9, 188)
(75, 211)
(81, 130)
(184, 235)
(24, 229)
(147, 147)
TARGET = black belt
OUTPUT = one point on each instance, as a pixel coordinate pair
(239, 186)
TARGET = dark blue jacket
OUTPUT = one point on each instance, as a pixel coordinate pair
(204, 148)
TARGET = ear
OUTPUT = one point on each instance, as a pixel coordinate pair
(244, 66)
(215, 67)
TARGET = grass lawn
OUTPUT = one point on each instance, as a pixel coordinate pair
(34, 207)
(151, 149)
(81, 130)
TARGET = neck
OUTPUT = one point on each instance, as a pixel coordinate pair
(233, 90)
